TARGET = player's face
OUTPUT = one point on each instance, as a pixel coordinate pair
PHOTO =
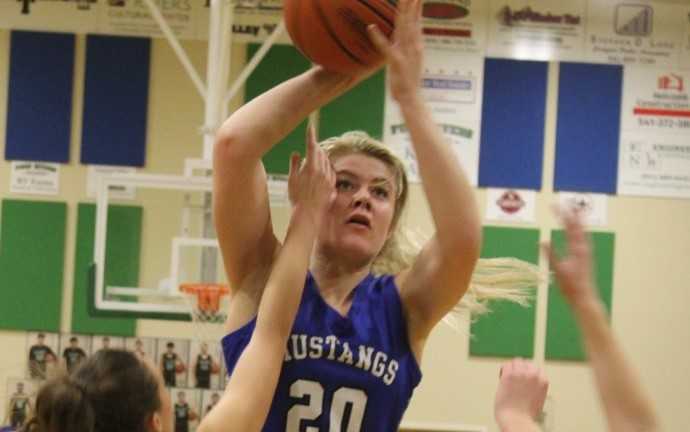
(204, 349)
(73, 344)
(359, 222)
(180, 397)
(20, 388)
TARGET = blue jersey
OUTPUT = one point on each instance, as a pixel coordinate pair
(353, 373)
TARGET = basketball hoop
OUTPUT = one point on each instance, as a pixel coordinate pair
(204, 299)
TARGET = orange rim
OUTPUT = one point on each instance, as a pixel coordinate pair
(208, 294)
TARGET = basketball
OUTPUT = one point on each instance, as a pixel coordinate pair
(333, 33)
(215, 368)
(179, 368)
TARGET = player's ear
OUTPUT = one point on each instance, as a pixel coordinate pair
(155, 424)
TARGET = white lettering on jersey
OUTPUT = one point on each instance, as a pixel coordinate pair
(364, 357)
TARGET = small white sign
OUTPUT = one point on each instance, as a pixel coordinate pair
(656, 100)
(537, 29)
(511, 205)
(654, 150)
(36, 178)
(94, 172)
(640, 32)
(654, 165)
(451, 86)
(592, 207)
(456, 25)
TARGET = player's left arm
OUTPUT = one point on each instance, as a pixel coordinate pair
(441, 273)
(244, 404)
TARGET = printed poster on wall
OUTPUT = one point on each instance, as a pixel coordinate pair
(134, 18)
(511, 205)
(654, 156)
(57, 16)
(119, 192)
(639, 32)
(254, 20)
(35, 178)
(458, 25)
(452, 88)
(590, 206)
(537, 29)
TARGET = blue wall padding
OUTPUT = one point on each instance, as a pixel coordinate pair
(588, 131)
(115, 100)
(512, 133)
(39, 106)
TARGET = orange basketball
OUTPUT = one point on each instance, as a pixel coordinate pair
(215, 368)
(179, 368)
(333, 33)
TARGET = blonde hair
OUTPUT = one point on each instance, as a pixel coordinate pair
(493, 279)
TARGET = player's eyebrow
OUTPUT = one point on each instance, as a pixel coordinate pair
(376, 180)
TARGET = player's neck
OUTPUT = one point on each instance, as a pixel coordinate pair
(336, 286)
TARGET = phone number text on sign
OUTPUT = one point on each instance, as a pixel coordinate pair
(665, 123)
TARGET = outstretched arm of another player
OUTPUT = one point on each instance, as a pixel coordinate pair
(244, 405)
(626, 405)
(520, 396)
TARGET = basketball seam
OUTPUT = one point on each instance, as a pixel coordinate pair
(333, 36)
(377, 12)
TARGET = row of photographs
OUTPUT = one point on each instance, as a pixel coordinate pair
(183, 362)
(189, 405)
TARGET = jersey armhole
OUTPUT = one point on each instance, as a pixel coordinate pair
(391, 295)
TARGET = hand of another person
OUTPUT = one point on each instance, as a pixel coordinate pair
(520, 395)
(573, 271)
(405, 52)
(311, 185)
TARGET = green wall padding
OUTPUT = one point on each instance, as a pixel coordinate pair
(32, 252)
(123, 248)
(563, 340)
(281, 63)
(508, 330)
(359, 109)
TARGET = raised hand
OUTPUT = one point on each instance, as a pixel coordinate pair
(405, 52)
(520, 395)
(573, 271)
(311, 184)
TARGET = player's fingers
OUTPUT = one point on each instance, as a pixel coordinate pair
(311, 144)
(379, 40)
(294, 164)
(418, 10)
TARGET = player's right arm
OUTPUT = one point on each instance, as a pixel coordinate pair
(240, 197)
(244, 405)
(626, 404)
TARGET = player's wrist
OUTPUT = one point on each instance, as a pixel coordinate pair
(516, 421)
(306, 216)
